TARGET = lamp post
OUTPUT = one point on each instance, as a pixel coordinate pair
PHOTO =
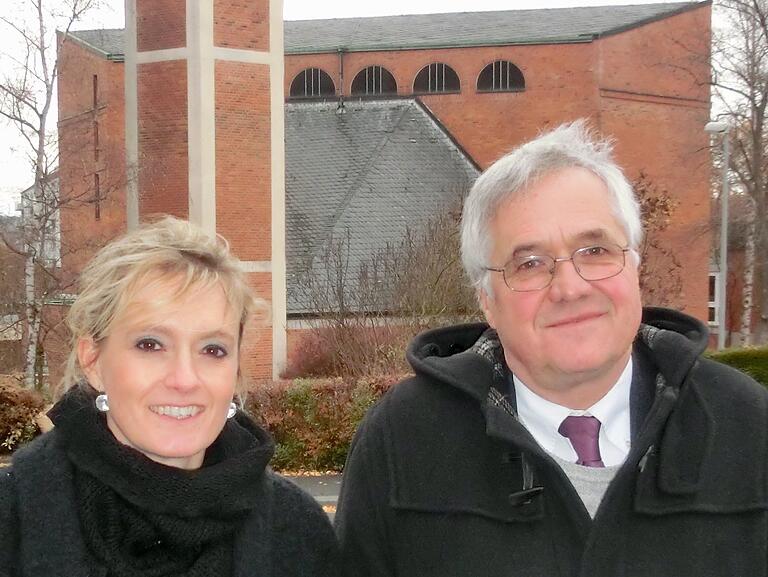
(722, 128)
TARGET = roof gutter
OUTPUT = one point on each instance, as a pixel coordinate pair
(581, 39)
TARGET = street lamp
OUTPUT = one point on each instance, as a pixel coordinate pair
(718, 127)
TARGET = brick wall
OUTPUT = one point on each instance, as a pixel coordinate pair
(256, 349)
(243, 162)
(83, 154)
(163, 154)
(654, 99)
(243, 176)
(161, 24)
(241, 24)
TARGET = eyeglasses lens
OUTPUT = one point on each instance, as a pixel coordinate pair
(534, 272)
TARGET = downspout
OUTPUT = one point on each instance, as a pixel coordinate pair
(340, 107)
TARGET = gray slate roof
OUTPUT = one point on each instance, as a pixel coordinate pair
(547, 26)
(361, 178)
(554, 25)
(108, 41)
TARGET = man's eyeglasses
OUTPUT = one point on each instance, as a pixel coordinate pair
(535, 272)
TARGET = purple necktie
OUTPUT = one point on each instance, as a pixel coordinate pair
(583, 433)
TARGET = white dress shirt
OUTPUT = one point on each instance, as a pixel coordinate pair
(542, 418)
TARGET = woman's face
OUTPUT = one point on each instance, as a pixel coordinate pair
(169, 367)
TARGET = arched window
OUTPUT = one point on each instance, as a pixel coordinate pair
(500, 76)
(374, 80)
(436, 78)
(312, 83)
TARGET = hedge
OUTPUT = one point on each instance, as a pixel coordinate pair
(18, 409)
(313, 420)
(751, 360)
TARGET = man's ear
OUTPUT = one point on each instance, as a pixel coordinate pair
(486, 304)
(88, 357)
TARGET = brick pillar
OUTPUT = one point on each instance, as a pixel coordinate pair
(204, 136)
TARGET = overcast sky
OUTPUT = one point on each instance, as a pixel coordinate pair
(15, 173)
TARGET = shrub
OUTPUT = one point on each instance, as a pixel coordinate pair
(18, 409)
(313, 420)
(351, 348)
(751, 360)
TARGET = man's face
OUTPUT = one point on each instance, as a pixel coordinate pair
(568, 342)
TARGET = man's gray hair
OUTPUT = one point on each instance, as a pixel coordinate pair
(568, 146)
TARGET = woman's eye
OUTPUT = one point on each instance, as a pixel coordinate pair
(215, 351)
(149, 345)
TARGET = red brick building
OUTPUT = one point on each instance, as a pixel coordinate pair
(492, 80)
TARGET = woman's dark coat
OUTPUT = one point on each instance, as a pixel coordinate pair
(288, 535)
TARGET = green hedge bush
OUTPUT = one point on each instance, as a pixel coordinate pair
(313, 420)
(751, 360)
(18, 409)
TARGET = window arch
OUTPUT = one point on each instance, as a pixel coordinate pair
(374, 80)
(312, 83)
(500, 76)
(435, 78)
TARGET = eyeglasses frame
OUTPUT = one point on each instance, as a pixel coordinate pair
(553, 270)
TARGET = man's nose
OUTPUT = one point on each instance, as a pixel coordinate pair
(567, 283)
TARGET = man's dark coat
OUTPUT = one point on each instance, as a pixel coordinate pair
(443, 480)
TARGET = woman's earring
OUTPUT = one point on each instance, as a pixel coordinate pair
(102, 402)
(232, 410)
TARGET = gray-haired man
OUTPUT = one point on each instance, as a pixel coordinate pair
(578, 434)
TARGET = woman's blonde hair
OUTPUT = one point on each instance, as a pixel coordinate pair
(169, 249)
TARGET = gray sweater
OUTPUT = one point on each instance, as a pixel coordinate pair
(590, 482)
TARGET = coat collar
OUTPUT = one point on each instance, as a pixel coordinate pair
(695, 461)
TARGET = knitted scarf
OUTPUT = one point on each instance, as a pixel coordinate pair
(140, 518)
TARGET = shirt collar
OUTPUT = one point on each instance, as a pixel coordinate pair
(542, 418)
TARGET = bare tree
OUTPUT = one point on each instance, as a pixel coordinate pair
(26, 101)
(365, 311)
(740, 79)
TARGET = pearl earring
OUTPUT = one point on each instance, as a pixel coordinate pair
(102, 403)
(232, 410)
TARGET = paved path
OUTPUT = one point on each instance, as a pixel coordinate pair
(324, 488)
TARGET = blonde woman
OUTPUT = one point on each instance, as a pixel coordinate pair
(151, 469)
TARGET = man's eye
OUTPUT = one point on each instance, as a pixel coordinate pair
(148, 345)
(215, 350)
(596, 250)
(529, 265)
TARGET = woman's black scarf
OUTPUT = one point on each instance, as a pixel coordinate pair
(140, 518)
